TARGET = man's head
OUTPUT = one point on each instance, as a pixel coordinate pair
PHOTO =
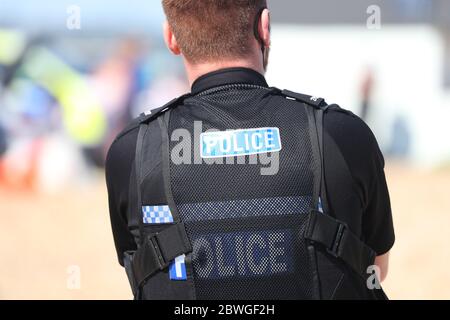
(211, 31)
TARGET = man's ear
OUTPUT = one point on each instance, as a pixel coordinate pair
(264, 27)
(170, 40)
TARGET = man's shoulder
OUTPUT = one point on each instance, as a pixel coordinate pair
(345, 125)
(131, 129)
(123, 146)
(353, 138)
(123, 138)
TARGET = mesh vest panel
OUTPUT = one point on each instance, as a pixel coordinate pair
(245, 227)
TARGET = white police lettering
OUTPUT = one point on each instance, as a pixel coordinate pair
(245, 254)
(235, 143)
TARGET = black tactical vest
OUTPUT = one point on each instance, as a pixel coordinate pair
(240, 209)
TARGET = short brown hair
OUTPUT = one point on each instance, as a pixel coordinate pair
(208, 30)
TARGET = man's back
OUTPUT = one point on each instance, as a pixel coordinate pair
(230, 207)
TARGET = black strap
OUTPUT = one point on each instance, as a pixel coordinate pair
(310, 100)
(138, 166)
(319, 114)
(316, 149)
(339, 241)
(158, 250)
(143, 128)
(316, 131)
(165, 153)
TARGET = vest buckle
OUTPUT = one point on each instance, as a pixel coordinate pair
(156, 248)
(334, 250)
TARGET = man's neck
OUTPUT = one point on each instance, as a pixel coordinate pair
(196, 71)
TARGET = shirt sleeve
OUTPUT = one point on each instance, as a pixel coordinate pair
(359, 147)
(118, 169)
(377, 223)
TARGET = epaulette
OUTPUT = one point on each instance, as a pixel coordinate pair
(149, 116)
(316, 102)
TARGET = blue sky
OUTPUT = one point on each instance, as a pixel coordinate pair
(96, 16)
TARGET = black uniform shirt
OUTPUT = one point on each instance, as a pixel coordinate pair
(358, 195)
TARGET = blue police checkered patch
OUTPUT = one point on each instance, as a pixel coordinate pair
(156, 214)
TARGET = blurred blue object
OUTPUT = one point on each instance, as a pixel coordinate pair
(37, 102)
(414, 8)
(401, 138)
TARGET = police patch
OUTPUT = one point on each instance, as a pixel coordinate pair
(244, 142)
(156, 214)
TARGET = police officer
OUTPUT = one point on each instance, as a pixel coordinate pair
(238, 190)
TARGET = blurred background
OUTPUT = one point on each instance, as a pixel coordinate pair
(74, 73)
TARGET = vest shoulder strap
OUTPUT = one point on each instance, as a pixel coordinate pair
(316, 102)
(155, 252)
(323, 228)
(315, 116)
(149, 116)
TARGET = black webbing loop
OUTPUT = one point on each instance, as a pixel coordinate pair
(158, 251)
(339, 241)
(319, 115)
(138, 164)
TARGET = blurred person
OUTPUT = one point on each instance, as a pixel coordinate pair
(366, 93)
(117, 71)
(400, 145)
(238, 190)
(3, 144)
